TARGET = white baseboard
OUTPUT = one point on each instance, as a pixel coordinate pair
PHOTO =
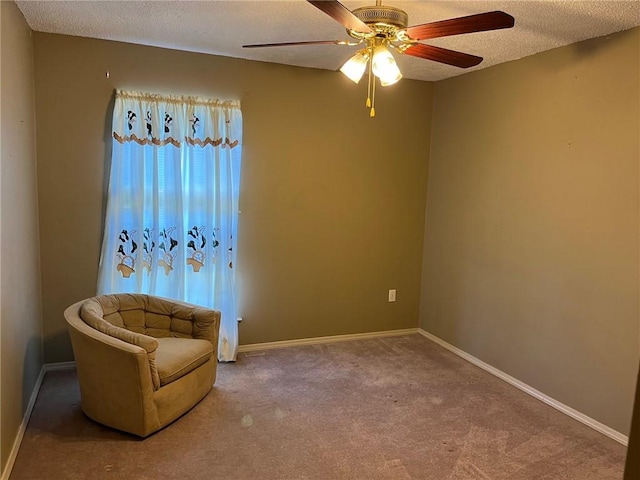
(23, 427)
(47, 367)
(319, 340)
(581, 417)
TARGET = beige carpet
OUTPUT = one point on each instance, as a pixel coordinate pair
(392, 408)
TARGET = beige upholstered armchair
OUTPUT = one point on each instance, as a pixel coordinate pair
(142, 361)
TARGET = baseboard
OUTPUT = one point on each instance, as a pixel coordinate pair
(576, 415)
(52, 367)
(47, 367)
(331, 339)
(23, 427)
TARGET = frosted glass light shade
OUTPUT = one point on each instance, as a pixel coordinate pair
(355, 66)
(384, 66)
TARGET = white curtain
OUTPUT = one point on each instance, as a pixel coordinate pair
(172, 211)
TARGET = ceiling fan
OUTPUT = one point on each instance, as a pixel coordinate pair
(380, 29)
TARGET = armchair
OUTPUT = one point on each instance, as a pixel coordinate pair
(142, 361)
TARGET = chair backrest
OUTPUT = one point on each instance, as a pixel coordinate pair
(148, 315)
(155, 317)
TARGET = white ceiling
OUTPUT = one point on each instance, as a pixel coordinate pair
(222, 27)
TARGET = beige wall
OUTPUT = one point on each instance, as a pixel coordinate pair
(532, 232)
(332, 201)
(20, 312)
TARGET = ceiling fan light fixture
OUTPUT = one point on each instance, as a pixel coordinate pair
(391, 78)
(384, 66)
(381, 28)
(354, 67)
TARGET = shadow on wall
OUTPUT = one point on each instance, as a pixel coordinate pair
(582, 51)
(32, 364)
(632, 469)
(108, 147)
(588, 48)
(58, 342)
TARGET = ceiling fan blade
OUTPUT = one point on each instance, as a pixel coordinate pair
(442, 55)
(456, 26)
(341, 14)
(288, 44)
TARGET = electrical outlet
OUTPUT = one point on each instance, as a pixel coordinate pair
(392, 295)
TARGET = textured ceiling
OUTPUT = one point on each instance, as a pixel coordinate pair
(222, 27)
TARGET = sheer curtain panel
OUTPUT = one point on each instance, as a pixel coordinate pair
(172, 210)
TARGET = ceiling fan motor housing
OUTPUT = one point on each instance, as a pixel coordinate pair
(382, 17)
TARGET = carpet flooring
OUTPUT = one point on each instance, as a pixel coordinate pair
(389, 408)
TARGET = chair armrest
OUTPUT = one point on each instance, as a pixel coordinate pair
(116, 388)
(205, 322)
(91, 314)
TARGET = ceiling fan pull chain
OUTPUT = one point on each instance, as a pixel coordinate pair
(372, 113)
(368, 103)
(371, 85)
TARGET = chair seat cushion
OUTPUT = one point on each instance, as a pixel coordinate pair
(175, 357)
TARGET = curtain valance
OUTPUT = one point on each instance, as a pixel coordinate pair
(150, 119)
